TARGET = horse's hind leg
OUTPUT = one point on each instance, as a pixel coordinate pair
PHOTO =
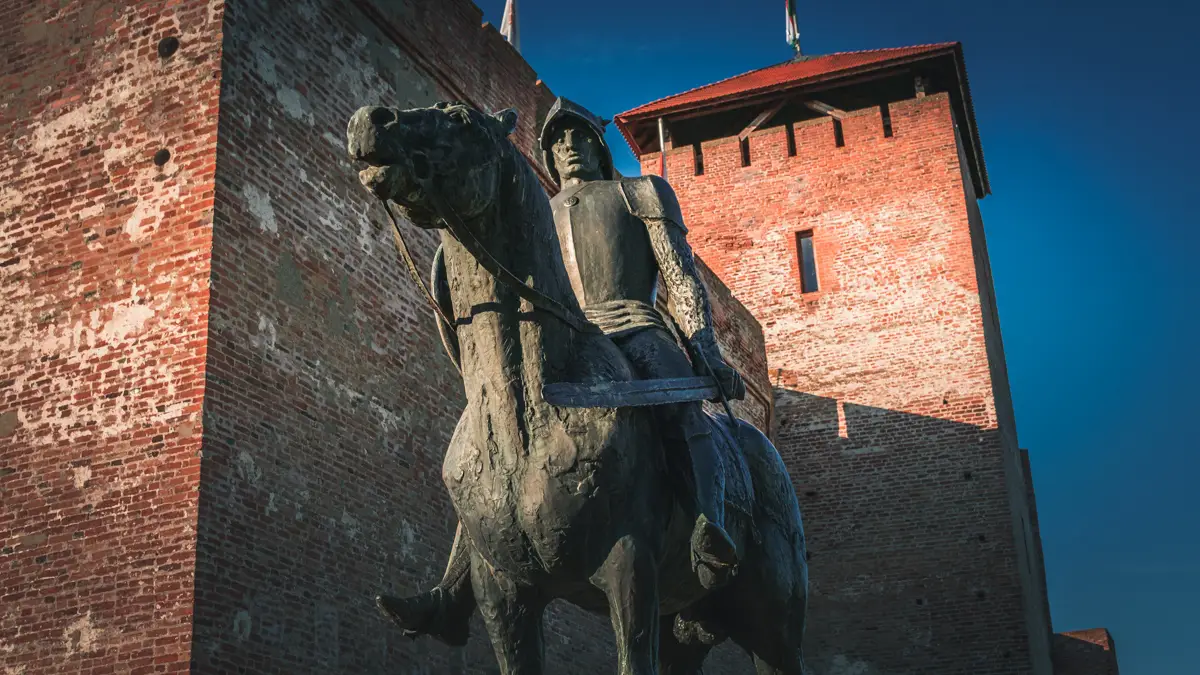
(513, 616)
(630, 580)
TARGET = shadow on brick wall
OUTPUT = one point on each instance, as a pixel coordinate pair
(910, 533)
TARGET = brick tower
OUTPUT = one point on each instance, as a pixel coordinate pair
(836, 197)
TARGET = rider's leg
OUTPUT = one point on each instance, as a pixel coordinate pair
(443, 612)
(655, 354)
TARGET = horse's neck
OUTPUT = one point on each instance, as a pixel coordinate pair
(508, 352)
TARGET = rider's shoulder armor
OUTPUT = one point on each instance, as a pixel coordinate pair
(651, 198)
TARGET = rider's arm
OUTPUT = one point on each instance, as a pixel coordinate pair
(689, 300)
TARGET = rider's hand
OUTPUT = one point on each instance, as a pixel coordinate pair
(730, 379)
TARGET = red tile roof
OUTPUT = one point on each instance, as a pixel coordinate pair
(785, 75)
(806, 72)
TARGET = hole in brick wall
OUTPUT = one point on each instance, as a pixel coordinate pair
(162, 157)
(967, 475)
(886, 114)
(745, 144)
(839, 138)
(807, 556)
(920, 602)
(983, 538)
(980, 595)
(167, 46)
(698, 159)
(810, 493)
(791, 140)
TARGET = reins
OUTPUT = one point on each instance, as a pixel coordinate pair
(463, 234)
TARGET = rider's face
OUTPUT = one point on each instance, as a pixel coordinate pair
(576, 152)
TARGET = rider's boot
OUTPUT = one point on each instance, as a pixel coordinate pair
(443, 612)
(713, 553)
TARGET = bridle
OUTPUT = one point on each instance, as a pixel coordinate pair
(465, 236)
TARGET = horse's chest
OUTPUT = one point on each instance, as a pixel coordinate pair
(519, 503)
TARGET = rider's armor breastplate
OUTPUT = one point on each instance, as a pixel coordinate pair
(606, 248)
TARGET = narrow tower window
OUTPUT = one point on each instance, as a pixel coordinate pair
(838, 137)
(698, 159)
(808, 261)
(791, 140)
(745, 143)
(886, 114)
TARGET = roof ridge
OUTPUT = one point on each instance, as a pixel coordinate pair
(787, 63)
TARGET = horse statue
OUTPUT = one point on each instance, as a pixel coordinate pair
(571, 502)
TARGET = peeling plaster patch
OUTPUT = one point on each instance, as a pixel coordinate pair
(259, 204)
(295, 105)
(80, 476)
(408, 538)
(264, 63)
(81, 636)
(350, 524)
(127, 320)
(11, 199)
(844, 666)
(336, 142)
(365, 235)
(147, 215)
(267, 334)
(247, 469)
(242, 625)
(271, 508)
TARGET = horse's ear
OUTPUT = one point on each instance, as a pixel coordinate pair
(507, 119)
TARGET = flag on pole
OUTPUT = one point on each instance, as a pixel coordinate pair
(508, 25)
(793, 28)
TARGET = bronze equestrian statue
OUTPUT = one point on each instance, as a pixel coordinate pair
(612, 508)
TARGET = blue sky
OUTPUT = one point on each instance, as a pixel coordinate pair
(1087, 112)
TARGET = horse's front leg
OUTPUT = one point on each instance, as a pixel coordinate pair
(629, 577)
(513, 616)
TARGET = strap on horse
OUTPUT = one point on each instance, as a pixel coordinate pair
(539, 300)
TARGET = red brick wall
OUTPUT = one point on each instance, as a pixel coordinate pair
(888, 384)
(330, 402)
(327, 401)
(104, 281)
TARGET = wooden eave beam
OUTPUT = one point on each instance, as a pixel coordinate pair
(809, 87)
(762, 118)
(825, 109)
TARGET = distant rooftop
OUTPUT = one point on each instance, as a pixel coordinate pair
(807, 74)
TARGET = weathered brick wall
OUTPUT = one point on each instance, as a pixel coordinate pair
(330, 402)
(104, 278)
(886, 399)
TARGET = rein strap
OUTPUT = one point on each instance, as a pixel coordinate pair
(412, 267)
(476, 248)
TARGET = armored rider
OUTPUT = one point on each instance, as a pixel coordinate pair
(617, 237)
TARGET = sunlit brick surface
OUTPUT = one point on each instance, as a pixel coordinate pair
(891, 396)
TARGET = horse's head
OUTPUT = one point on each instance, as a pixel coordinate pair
(450, 145)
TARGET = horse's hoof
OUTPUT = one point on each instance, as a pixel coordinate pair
(692, 631)
(714, 555)
(424, 614)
